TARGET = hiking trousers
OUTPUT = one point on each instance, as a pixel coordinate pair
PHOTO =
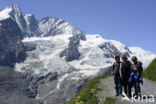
(136, 85)
(118, 85)
(126, 85)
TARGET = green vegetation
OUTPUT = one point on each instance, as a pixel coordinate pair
(109, 100)
(87, 94)
(150, 71)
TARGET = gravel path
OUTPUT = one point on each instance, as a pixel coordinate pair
(107, 86)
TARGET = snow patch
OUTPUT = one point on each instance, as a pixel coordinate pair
(4, 14)
(92, 41)
(89, 72)
(61, 79)
(63, 37)
(121, 47)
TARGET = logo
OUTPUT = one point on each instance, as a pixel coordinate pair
(140, 98)
(125, 98)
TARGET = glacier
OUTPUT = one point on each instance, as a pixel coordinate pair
(47, 58)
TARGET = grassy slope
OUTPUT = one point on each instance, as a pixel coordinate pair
(87, 94)
(109, 100)
(150, 71)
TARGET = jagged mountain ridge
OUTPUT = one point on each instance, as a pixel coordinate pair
(63, 59)
(27, 23)
(30, 26)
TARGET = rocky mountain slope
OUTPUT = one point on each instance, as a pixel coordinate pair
(59, 59)
(11, 47)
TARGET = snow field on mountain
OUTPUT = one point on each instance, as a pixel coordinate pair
(4, 14)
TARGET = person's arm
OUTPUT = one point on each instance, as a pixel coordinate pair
(113, 68)
(140, 68)
(131, 65)
(120, 70)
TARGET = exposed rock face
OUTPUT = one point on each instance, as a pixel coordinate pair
(15, 88)
(17, 15)
(32, 26)
(12, 30)
(72, 52)
(27, 23)
(112, 50)
(11, 47)
(77, 33)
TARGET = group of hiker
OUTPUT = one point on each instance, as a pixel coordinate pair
(127, 75)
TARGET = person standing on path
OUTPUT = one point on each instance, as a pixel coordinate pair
(117, 79)
(125, 71)
(136, 76)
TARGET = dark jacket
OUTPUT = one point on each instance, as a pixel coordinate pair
(116, 68)
(126, 69)
(139, 70)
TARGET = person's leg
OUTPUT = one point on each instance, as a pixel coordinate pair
(125, 89)
(125, 86)
(116, 84)
(135, 88)
(120, 85)
(130, 85)
(138, 88)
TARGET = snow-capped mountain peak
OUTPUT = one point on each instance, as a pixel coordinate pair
(14, 7)
(30, 26)
(17, 15)
(145, 53)
(120, 46)
(26, 22)
(52, 26)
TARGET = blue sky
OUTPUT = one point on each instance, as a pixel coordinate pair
(133, 22)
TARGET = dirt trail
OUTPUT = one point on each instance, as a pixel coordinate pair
(107, 86)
